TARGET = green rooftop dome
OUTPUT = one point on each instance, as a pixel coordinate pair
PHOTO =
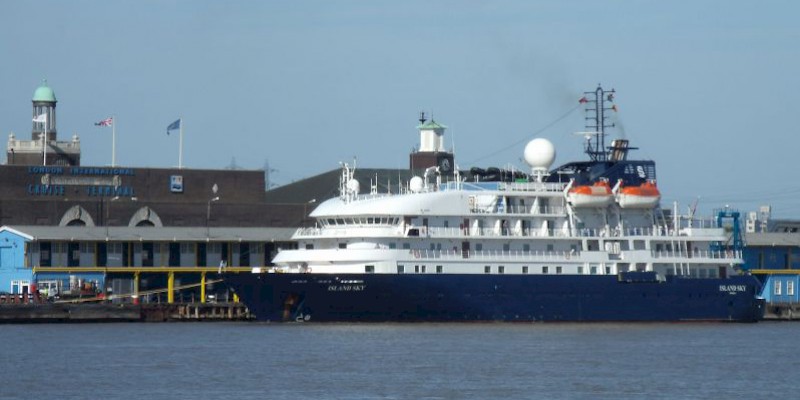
(44, 93)
(431, 125)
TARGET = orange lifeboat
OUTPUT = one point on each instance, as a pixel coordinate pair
(645, 195)
(595, 195)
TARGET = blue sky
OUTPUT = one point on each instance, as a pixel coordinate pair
(707, 89)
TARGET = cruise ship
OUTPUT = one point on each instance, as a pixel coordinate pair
(586, 241)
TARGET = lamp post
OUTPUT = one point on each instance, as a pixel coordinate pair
(208, 215)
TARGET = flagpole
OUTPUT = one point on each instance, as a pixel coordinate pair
(113, 140)
(180, 145)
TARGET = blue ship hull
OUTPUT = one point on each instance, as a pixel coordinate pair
(447, 297)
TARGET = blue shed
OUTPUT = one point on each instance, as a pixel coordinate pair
(781, 289)
(16, 274)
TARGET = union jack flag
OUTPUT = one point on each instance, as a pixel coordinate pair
(106, 122)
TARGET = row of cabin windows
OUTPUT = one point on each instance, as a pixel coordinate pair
(438, 246)
(418, 269)
(789, 288)
(359, 221)
(694, 272)
(501, 269)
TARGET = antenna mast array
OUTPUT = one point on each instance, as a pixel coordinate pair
(596, 121)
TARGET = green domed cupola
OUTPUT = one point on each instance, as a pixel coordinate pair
(44, 93)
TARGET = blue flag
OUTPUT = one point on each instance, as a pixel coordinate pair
(174, 125)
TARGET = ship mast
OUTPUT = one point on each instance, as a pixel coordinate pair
(596, 121)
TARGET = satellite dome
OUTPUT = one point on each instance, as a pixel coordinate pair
(353, 186)
(416, 184)
(540, 153)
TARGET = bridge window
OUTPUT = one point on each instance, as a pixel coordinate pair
(501, 269)
(487, 269)
(370, 269)
(439, 269)
(545, 269)
(559, 269)
(401, 269)
(524, 269)
(580, 270)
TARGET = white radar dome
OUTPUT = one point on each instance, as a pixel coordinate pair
(540, 153)
(416, 184)
(353, 186)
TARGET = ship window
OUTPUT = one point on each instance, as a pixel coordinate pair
(487, 270)
(370, 269)
(790, 288)
(401, 269)
(342, 245)
(422, 270)
(370, 220)
(478, 246)
(339, 221)
(608, 270)
(777, 288)
(392, 245)
(501, 269)
(406, 246)
(559, 269)
(526, 247)
(309, 246)
(524, 269)
(446, 223)
(593, 270)
(580, 270)
(506, 247)
(549, 247)
(433, 246)
(545, 269)
(416, 269)
(439, 269)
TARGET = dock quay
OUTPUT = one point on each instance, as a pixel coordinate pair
(782, 312)
(107, 312)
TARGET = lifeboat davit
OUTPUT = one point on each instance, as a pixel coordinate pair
(645, 195)
(596, 195)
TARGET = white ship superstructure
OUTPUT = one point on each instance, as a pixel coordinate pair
(472, 227)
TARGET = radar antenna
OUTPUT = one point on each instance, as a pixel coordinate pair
(596, 121)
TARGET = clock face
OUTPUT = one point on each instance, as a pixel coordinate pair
(444, 165)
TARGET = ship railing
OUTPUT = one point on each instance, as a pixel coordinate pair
(698, 223)
(503, 255)
(522, 210)
(488, 232)
(372, 230)
(700, 254)
(531, 187)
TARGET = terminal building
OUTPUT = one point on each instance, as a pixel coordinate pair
(773, 252)
(107, 229)
(159, 234)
